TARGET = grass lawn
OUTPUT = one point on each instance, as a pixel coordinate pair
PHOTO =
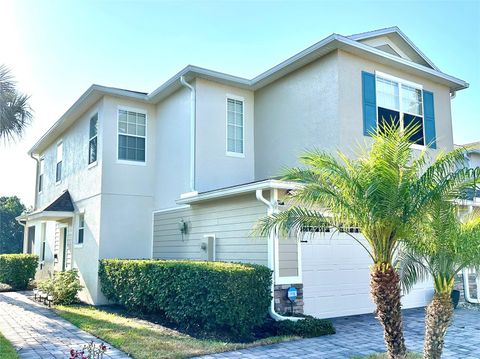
(384, 356)
(144, 340)
(7, 351)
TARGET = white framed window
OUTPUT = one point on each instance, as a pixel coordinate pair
(41, 170)
(235, 127)
(400, 102)
(92, 139)
(132, 135)
(81, 229)
(43, 235)
(58, 168)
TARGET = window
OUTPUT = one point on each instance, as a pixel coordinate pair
(400, 103)
(58, 175)
(81, 229)
(235, 126)
(132, 128)
(40, 174)
(92, 141)
(43, 235)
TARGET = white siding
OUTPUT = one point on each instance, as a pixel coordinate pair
(231, 220)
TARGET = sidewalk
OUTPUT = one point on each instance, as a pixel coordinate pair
(38, 333)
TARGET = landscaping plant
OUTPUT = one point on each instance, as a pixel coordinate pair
(442, 247)
(218, 297)
(383, 192)
(17, 270)
(63, 287)
(89, 351)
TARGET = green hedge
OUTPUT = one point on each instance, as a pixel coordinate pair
(17, 269)
(210, 296)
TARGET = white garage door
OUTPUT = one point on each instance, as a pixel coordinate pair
(336, 278)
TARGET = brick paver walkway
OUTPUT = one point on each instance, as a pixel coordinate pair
(362, 334)
(37, 332)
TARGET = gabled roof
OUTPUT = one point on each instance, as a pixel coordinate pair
(59, 209)
(352, 44)
(61, 204)
(395, 33)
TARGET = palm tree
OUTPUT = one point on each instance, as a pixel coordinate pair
(15, 113)
(382, 192)
(443, 246)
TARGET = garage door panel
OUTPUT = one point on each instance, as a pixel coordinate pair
(336, 278)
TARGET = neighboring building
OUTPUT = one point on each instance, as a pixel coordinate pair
(186, 171)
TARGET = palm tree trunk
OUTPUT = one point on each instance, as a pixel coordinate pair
(438, 318)
(385, 290)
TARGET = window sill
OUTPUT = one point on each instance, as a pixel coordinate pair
(78, 245)
(58, 183)
(235, 154)
(133, 163)
(93, 164)
(418, 147)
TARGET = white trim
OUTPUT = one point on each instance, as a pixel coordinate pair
(401, 82)
(231, 191)
(394, 29)
(59, 143)
(227, 152)
(398, 79)
(136, 110)
(49, 215)
(279, 279)
(41, 173)
(77, 229)
(92, 115)
(172, 208)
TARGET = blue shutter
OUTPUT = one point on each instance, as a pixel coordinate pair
(429, 119)
(369, 103)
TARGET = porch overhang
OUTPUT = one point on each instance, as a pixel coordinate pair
(236, 190)
(59, 210)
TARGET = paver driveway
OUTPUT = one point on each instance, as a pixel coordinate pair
(37, 332)
(362, 335)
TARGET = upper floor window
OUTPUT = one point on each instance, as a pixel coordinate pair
(400, 103)
(40, 174)
(81, 228)
(132, 129)
(58, 171)
(92, 140)
(235, 127)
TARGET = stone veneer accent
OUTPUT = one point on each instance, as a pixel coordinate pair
(283, 305)
(459, 286)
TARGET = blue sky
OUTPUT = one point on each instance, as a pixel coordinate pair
(57, 49)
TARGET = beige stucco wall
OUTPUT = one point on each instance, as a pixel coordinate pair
(214, 168)
(350, 69)
(172, 168)
(295, 113)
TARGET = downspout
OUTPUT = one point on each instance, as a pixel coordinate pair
(466, 284)
(272, 238)
(36, 180)
(192, 131)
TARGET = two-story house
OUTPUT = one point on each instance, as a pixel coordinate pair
(186, 170)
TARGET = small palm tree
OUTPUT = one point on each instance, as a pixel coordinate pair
(15, 113)
(382, 192)
(442, 246)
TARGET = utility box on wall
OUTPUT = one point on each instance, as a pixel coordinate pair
(208, 247)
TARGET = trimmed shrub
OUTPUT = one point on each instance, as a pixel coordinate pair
(227, 298)
(17, 270)
(307, 328)
(64, 287)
